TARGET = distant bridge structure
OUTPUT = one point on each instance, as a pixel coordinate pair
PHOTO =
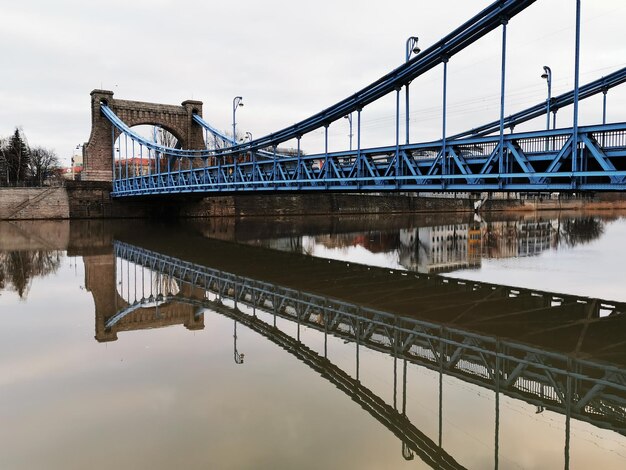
(484, 158)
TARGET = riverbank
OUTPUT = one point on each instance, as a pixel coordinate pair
(91, 200)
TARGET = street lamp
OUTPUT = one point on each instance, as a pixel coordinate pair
(237, 101)
(411, 48)
(349, 118)
(547, 75)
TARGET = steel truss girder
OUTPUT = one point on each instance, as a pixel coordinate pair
(525, 372)
(533, 161)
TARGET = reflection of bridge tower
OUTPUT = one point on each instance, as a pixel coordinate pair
(101, 279)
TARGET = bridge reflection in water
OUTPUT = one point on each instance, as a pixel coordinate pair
(573, 364)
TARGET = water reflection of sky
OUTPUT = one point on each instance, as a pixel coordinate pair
(595, 269)
(167, 398)
(585, 259)
(353, 254)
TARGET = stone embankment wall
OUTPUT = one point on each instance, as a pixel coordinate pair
(34, 203)
(92, 200)
(77, 200)
(312, 204)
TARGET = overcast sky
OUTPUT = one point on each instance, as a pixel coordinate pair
(288, 60)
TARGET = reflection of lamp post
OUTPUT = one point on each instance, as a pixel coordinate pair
(547, 75)
(238, 356)
(411, 48)
(349, 118)
(237, 101)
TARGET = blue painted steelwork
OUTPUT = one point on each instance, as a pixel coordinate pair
(472, 161)
(536, 162)
(411, 48)
(501, 152)
(237, 102)
(604, 91)
(575, 136)
(592, 88)
(547, 74)
(223, 139)
(465, 35)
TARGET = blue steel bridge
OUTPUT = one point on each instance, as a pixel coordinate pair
(586, 386)
(489, 157)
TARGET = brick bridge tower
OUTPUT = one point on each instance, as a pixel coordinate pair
(98, 160)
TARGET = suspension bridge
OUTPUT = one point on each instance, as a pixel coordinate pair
(483, 158)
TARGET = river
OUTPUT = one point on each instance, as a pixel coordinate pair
(379, 342)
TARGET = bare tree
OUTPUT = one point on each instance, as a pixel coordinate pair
(165, 138)
(42, 164)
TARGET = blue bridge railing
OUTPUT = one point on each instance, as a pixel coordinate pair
(541, 160)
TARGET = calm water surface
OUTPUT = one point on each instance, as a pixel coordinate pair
(315, 343)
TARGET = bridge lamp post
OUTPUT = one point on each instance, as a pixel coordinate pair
(604, 92)
(237, 101)
(349, 118)
(411, 48)
(547, 75)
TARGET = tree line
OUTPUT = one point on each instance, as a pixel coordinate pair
(22, 165)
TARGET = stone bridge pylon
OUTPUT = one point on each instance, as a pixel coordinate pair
(99, 151)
